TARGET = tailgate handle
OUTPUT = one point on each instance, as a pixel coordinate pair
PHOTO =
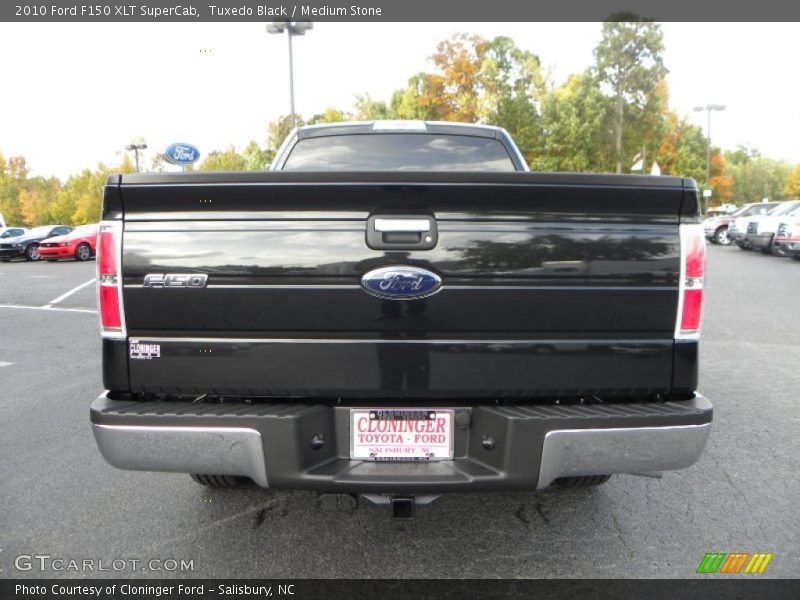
(402, 232)
(407, 225)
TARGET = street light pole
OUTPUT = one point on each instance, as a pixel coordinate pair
(708, 108)
(291, 77)
(136, 148)
(291, 28)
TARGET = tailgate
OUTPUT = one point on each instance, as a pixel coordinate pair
(548, 285)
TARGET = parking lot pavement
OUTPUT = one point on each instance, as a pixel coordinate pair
(39, 284)
(60, 498)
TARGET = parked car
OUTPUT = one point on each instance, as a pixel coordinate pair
(416, 302)
(27, 245)
(787, 239)
(78, 244)
(717, 223)
(738, 224)
(11, 232)
(761, 229)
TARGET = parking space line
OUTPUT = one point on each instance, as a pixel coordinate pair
(50, 308)
(68, 294)
(5, 364)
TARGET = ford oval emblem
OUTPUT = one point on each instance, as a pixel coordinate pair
(401, 283)
(182, 154)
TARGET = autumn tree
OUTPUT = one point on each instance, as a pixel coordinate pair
(85, 192)
(628, 62)
(479, 81)
(455, 87)
(720, 182)
(682, 149)
(36, 200)
(11, 181)
(792, 186)
(32, 207)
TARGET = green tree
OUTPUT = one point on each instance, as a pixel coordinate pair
(87, 190)
(755, 177)
(331, 115)
(223, 160)
(79, 200)
(511, 88)
(647, 125)
(576, 125)
(277, 132)
(419, 100)
(629, 63)
(256, 158)
(367, 109)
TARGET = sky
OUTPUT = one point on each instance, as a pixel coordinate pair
(75, 94)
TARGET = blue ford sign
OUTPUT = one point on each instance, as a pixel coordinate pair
(401, 283)
(182, 154)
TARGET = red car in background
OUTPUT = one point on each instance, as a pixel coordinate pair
(79, 244)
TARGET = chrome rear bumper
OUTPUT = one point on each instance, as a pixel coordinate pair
(217, 450)
(575, 452)
(533, 445)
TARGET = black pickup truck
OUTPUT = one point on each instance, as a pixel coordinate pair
(400, 310)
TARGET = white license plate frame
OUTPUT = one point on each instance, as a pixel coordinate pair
(425, 434)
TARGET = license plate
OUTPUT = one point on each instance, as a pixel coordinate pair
(401, 434)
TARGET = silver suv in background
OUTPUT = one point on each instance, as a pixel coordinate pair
(738, 225)
(761, 229)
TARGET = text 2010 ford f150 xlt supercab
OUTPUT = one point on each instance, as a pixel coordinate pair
(400, 310)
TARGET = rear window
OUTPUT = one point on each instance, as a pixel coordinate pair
(782, 209)
(84, 230)
(42, 230)
(398, 151)
(760, 209)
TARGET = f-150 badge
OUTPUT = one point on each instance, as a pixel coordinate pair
(175, 280)
(401, 283)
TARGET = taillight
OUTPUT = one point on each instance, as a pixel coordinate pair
(109, 280)
(789, 231)
(690, 288)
